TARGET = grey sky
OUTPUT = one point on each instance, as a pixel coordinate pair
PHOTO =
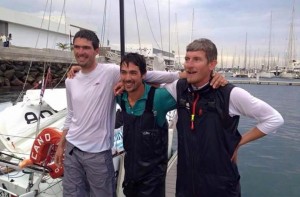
(223, 21)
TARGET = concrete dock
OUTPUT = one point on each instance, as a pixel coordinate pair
(32, 54)
(171, 176)
(263, 82)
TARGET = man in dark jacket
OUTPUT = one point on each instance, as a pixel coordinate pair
(145, 130)
(208, 138)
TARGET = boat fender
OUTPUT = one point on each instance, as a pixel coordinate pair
(55, 171)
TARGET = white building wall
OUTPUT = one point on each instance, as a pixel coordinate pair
(13, 17)
(25, 29)
(24, 36)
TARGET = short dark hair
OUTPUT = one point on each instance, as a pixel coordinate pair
(89, 35)
(205, 45)
(137, 60)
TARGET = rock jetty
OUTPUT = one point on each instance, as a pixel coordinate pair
(16, 73)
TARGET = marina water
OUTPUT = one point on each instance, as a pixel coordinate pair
(269, 167)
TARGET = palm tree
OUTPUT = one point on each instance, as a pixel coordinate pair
(63, 46)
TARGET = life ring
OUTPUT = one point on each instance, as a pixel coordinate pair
(43, 151)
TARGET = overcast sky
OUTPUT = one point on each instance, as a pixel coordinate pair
(225, 22)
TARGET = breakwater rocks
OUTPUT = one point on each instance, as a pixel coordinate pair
(17, 73)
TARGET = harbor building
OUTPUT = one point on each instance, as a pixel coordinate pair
(159, 59)
(32, 31)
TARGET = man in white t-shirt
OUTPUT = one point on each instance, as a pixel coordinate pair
(88, 130)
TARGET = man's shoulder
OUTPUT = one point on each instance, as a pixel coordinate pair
(68, 80)
(108, 66)
(161, 91)
(162, 96)
(108, 70)
(227, 88)
(182, 83)
(158, 90)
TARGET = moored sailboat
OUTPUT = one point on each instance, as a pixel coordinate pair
(292, 66)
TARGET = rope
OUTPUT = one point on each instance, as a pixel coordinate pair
(44, 84)
(63, 75)
(169, 33)
(177, 39)
(12, 156)
(137, 26)
(50, 186)
(26, 154)
(63, 12)
(162, 48)
(103, 25)
(150, 25)
(30, 65)
(108, 27)
(49, 24)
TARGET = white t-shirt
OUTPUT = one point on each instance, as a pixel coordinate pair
(243, 103)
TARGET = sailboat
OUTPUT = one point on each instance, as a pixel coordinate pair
(292, 66)
(242, 72)
(265, 72)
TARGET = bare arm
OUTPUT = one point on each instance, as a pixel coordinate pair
(268, 119)
(251, 135)
(58, 158)
(59, 155)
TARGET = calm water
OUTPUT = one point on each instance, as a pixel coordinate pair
(269, 167)
(8, 95)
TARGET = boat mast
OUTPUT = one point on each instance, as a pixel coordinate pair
(122, 31)
(258, 59)
(192, 26)
(161, 42)
(233, 59)
(103, 25)
(137, 26)
(169, 62)
(245, 59)
(178, 51)
(222, 67)
(254, 60)
(291, 45)
(270, 38)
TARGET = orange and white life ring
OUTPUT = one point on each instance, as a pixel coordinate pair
(43, 151)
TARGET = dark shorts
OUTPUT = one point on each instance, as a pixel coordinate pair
(88, 174)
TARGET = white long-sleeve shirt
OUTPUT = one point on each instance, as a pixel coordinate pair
(91, 106)
(243, 103)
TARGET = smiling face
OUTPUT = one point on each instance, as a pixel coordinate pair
(198, 68)
(85, 53)
(131, 77)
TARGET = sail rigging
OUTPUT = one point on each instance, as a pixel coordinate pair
(270, 41)
(291, 49)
